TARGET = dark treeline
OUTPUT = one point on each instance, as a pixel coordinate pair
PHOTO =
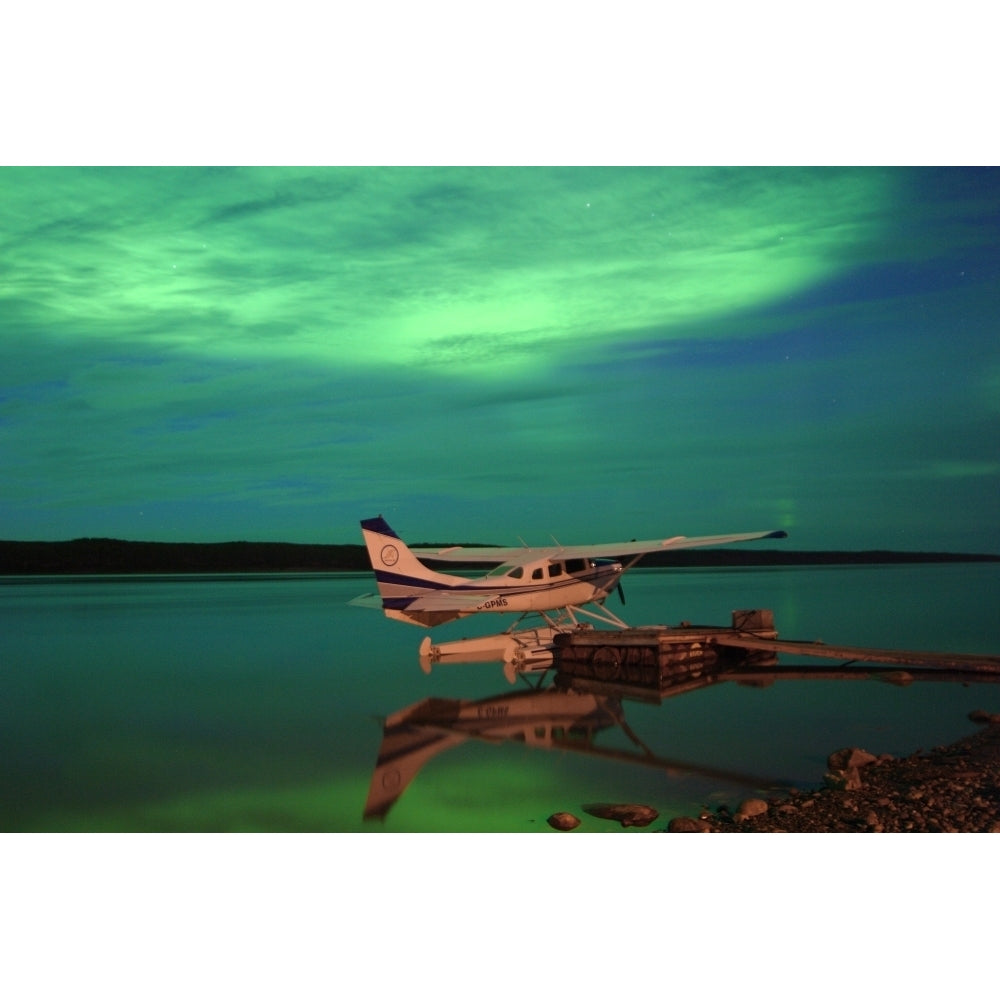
(109, 555)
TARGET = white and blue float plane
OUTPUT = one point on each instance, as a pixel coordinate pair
(554, 582)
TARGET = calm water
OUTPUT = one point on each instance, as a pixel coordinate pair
(256, 703)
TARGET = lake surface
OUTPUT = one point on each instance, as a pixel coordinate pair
(256, 703)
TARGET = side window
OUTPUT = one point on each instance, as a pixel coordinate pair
(517, 572)
(575, 565)
(536, 574)
(555, 569)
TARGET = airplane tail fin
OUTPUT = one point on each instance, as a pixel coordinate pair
(401, 577)
(391, 557)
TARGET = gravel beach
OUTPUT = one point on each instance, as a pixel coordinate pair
(948, 789)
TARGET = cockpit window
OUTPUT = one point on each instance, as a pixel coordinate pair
(507, 569)
(576, 565)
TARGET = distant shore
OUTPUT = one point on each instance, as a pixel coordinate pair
(84, 556)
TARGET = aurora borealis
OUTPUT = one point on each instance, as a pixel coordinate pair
(202, 354)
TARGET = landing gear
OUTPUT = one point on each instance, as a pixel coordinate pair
(566, 619)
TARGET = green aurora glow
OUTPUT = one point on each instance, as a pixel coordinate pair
(211, 354)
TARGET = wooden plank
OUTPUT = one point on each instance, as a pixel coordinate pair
(652, 637)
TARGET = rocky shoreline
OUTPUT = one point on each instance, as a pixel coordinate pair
(949, 789)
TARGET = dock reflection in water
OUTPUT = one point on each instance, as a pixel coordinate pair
(570, 715)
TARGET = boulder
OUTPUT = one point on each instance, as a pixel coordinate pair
(850, 757)
(984, 718)
(750, 808)
(843, 781)
(563, 821)
(685, 824)
(625, 813)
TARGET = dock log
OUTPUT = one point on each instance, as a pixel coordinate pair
(972, 662)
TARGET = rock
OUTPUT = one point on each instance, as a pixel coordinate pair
(844, 781)
(845, 768)
(563, 821)
(984, 718)
(898, 677)
(844, 760)
(685, 824)
(750, 808)
(626, 814)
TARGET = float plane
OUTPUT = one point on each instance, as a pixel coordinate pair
(554, 582)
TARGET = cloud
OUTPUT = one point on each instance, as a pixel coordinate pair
(484, 268)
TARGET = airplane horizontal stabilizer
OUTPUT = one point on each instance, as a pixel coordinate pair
(449, 601)
(367, 601)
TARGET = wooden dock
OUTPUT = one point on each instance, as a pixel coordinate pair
(657, 658)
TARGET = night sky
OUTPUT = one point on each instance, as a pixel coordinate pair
(204, 354)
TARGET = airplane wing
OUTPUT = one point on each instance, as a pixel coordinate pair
(608, 550)
(468, 553)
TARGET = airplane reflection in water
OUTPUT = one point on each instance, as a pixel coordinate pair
(570, 719)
